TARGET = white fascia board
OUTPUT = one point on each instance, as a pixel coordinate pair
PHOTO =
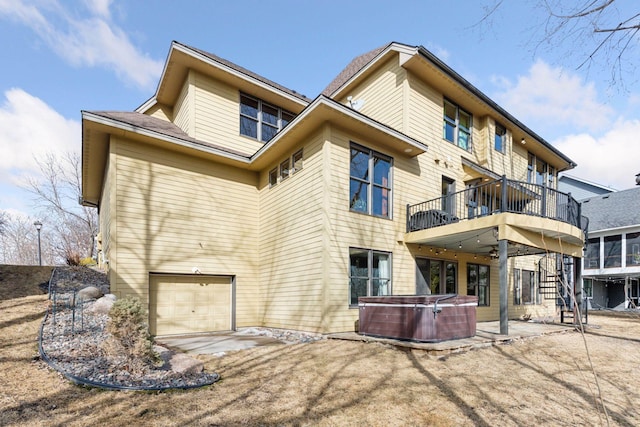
(127, 127)
(323, 100)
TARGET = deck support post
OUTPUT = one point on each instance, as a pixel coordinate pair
(503, 244)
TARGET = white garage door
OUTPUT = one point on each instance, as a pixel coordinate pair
(189, 304)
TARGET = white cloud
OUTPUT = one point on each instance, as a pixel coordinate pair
(612, 159)
(92, 40)
(29, 128)
(549, 97)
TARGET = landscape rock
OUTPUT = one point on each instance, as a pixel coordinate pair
(102, 305)
(184, 364)
(88, 293)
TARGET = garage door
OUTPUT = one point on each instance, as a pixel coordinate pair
(189, 304)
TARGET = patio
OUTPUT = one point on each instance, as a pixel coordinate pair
(487, 334)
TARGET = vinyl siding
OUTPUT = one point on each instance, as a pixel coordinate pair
(160, 112)
(183, 109)
(383, 95)
(176, 212)
(291, 242)
(218, 118)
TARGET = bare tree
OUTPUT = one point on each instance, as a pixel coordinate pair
(19, 242)
(3, 222)
(588, 33)
(57, 193)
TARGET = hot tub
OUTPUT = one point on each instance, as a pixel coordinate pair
(424, 318)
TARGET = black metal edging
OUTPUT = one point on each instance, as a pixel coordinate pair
(87, 383)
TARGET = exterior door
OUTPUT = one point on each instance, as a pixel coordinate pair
(436, 276)
(187, 304)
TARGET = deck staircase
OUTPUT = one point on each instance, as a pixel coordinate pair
(557, 282)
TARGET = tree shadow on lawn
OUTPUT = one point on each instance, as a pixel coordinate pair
(588, 398)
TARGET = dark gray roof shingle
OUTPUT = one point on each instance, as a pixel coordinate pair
(243, 70)
(613, 210)
(351, 69)
(160, 126)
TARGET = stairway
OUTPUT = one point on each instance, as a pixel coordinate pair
(556, 282)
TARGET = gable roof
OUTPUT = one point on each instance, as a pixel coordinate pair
(419, 58)
(351, 69)
(243, 70)
(98, 125)
(182, 58)
(613, 210)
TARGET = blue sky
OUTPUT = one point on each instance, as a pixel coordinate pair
(61, 57)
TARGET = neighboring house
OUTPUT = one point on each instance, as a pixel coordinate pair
(227, 200)
(581, 189)
(611, 264)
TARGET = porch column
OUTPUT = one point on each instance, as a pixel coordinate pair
(504, 287)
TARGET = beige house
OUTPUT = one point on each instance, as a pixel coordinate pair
(227, 200)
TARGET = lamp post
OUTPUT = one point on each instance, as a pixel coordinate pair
(38, 225)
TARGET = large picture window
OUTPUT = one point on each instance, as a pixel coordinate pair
(633, 249)
(613, 251)
(260, 120)
(369, 274)
(370, 182)
(592, 254)
(457, 125)
(478, 282)
(436, 277)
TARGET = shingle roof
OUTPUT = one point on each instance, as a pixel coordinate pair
(351, 69)
(613, 210)
(160, 126)
(243, 70)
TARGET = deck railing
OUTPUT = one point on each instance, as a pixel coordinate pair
(499, 196)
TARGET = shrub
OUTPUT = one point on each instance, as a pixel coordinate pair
(129, 341)
(87, 261)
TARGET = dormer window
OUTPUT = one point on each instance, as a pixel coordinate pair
(261, 120)
(457, 125)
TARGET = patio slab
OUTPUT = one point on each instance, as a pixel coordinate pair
(487, 334)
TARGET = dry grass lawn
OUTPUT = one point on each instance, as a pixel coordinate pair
(542, 381)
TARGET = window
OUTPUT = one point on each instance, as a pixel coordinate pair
(478, 282)
(457, 125)
(370, 182)
(592, 253)
(517, 287)
(369, 274)
(539, 172)
(633, 249)
(528, 290)
(273, 177)
(500, 138)
(296, 161)
(436, 277)
(260, 120)
(613, 251)
(448, 202)
(284, 169)
(588, 287)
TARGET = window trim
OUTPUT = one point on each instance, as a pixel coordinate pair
(503, 138)
(285, 169)
(300, 155)
(273, 173)
(370, 181)
(281, 120)
(477, 286)
(457, 126)
(370, 278)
